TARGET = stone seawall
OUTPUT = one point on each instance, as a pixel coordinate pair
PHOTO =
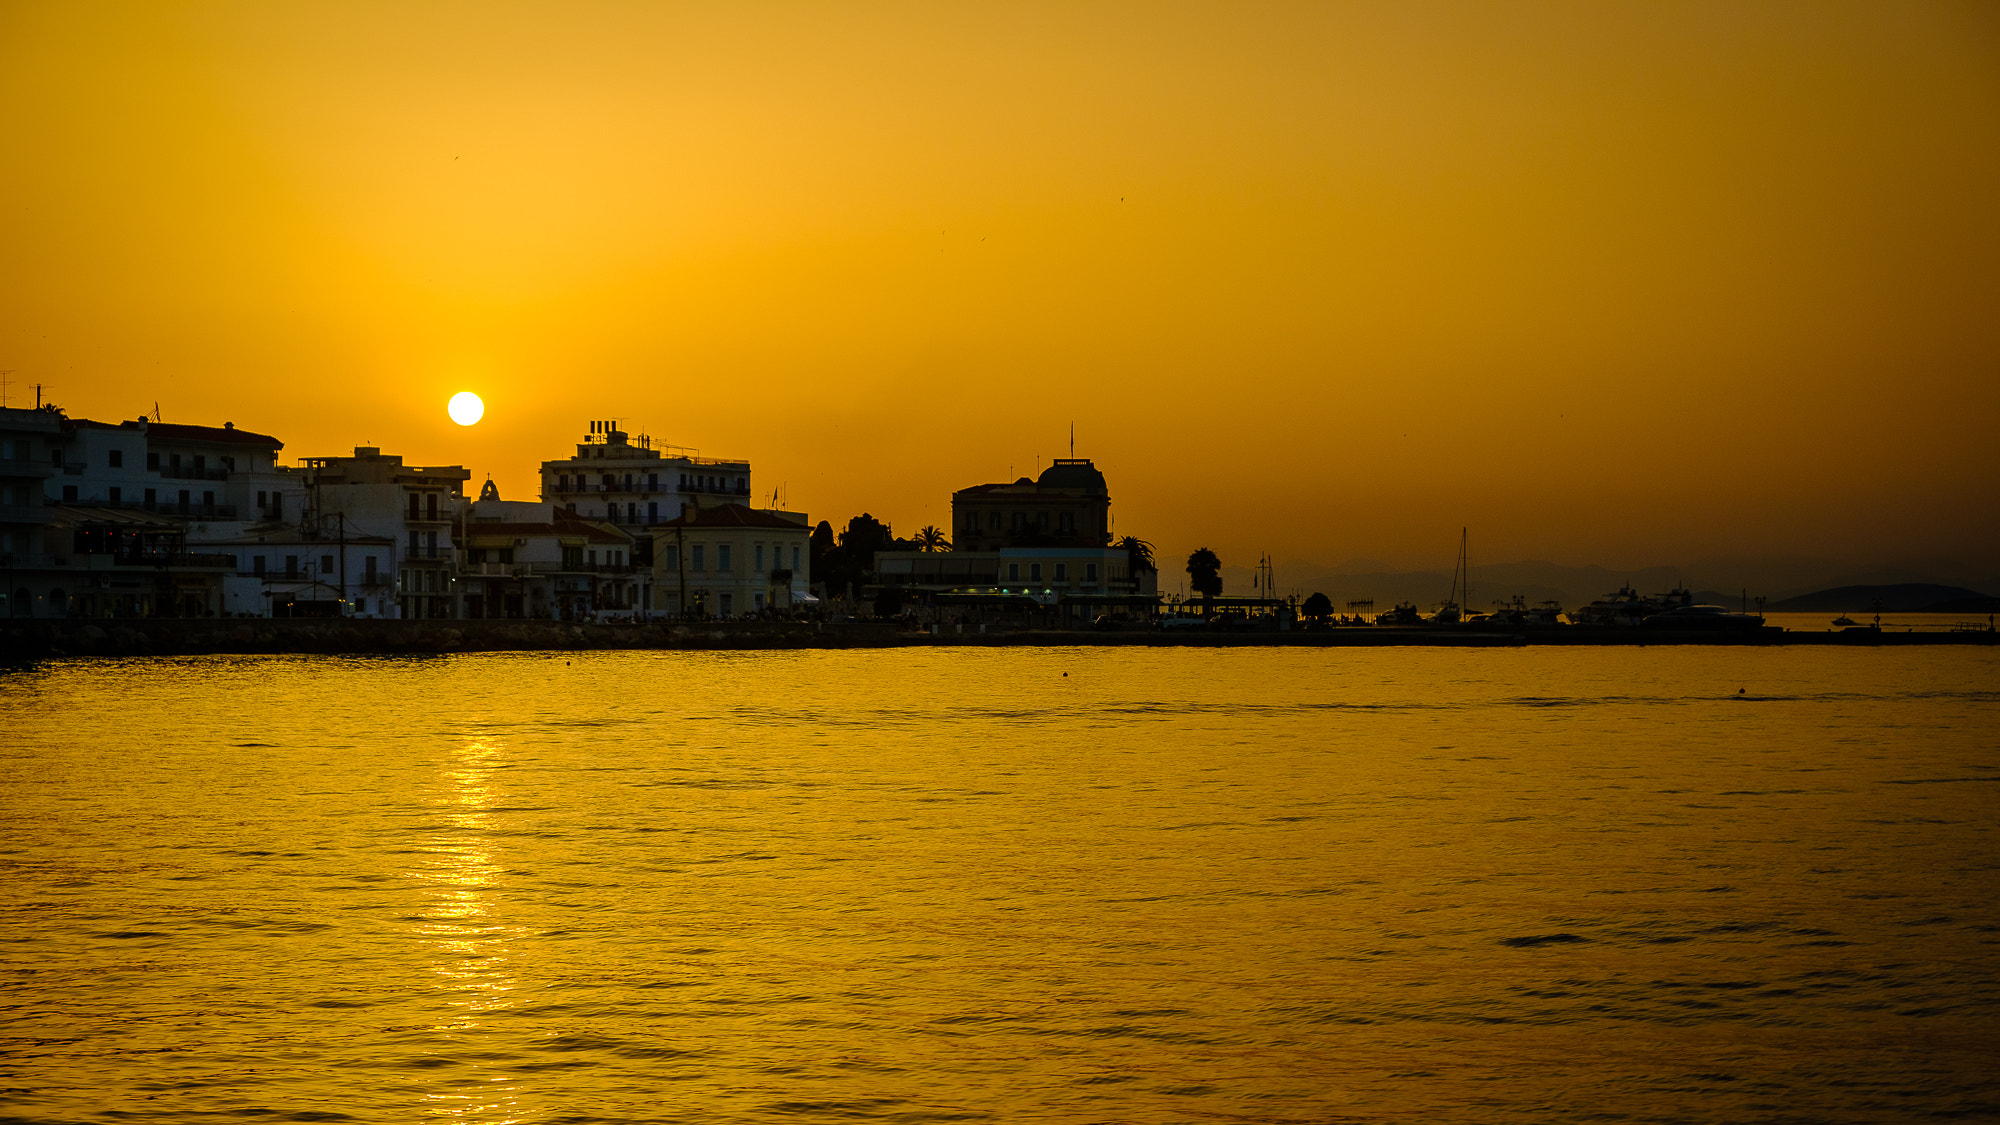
(167, 636)
(29, 640)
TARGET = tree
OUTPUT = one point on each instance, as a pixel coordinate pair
(930, 539)
(1205, 575)
(1319, 607)
(1138, 554)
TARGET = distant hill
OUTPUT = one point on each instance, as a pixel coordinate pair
(1938, 588)
(1903, 597)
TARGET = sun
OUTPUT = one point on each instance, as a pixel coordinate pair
(465, 408)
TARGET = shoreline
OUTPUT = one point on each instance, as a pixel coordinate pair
(28, 640)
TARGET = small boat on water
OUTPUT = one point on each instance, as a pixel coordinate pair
(1844, 621)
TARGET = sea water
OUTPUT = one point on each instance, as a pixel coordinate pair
(1023, 884)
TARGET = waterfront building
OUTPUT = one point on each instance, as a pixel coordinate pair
(622, 479)
(1068, 505)
(730, 561)
(376, 496)
(129, 518)
(522, 559)
(31, 580)
(1033, 545)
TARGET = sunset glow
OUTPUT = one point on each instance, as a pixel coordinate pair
(1621, 284)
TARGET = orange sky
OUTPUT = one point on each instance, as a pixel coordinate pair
(1613, 284)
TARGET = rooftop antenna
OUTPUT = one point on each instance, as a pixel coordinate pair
(1072, 441)
(156, 406)
(4, 384)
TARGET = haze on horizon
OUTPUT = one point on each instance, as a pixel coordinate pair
(1609, 284)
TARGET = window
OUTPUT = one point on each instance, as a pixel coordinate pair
(361, 605)
(652, 482)
(413, 544)
(562, 483)
(795, 558)
(722, 557)
(653, 512)
(277, 505)
(184, 501)
(632, 512)
(1066, 523)
(611, 513)
(1062, 572)
(69, 494)
(116, 458)
(430, 505)
(414, 510)
(1013, 572)
(760, 556)
(673, 558)
(174, 462)
(1016, 521)
(326, 564)
(593, 556)
(431, 544)
(291, 566)
(117, 494)
(369, 568)
(1034, 572)
(1090, 572)
(257, 566)
(1041, 521)
(153, 462)
(55, 458)
(261, 500)
(694, 557)
(728, 601)
(994, 522)
(152, 497)
(628, 482)
(200, 464)
(208, 501)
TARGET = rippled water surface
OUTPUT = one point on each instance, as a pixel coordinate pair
(1049, 885)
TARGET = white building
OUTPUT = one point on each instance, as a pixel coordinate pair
(523, 559)
(132, 518)
(415, 508)
(620, 480)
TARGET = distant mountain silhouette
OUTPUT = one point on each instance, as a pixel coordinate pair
(1715, 582)
(1902, 597)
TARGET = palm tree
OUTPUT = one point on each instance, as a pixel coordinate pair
(1204, 575)
(1138, 553)
(931, 539)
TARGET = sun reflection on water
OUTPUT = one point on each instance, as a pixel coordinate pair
(472, 954)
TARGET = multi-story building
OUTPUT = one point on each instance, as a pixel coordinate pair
(1036, 544)
(523, 559)
(1068, 505)
(620, 479)
(730, 561)
(132, 516)
(31, 450)
(414, 508)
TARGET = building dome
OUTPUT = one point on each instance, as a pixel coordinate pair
(1075, 472)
